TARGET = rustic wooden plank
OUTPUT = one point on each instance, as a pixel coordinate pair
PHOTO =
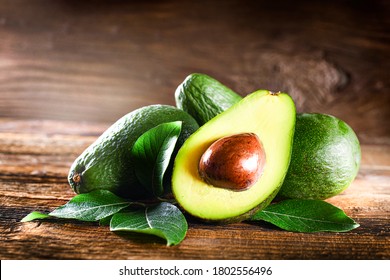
(332, 58)
(51, 127)
(237, 241)
(58, 239)
(33, 177)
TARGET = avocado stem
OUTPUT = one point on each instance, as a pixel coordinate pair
(76, 178)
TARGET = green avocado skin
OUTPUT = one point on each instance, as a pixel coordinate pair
(325, 158)
(107, 164)
(203, 97)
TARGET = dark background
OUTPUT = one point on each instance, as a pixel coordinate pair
(98, 60)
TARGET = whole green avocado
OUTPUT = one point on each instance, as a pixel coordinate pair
(107, 163)
(326, 151)
(203, 97)
(325, 158)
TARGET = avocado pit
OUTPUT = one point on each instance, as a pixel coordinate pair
(234, 162)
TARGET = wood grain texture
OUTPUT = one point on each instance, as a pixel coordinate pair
(68, 69)
(33, 177)
(98, 60)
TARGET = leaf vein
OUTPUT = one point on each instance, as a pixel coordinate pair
(304, 218)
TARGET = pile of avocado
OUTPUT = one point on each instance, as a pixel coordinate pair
(234, 155)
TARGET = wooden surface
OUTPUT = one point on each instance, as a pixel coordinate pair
(33, 172)
(68, 69)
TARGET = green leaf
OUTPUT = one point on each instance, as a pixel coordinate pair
(92, 206)
(164, 220)
(35, 215)
(152, 152)
(306, 216)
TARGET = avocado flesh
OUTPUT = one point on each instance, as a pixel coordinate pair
(272, 118)
(107, 163)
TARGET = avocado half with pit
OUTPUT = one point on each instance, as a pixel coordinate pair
(261, 123)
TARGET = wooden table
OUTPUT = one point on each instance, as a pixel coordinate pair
(68, 69)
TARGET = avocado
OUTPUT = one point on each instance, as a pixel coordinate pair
(325, 158)
(203, 97)
(326, 152)
(269, 116)
(107, 163)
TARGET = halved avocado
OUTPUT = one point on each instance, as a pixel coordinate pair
(271, 116)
